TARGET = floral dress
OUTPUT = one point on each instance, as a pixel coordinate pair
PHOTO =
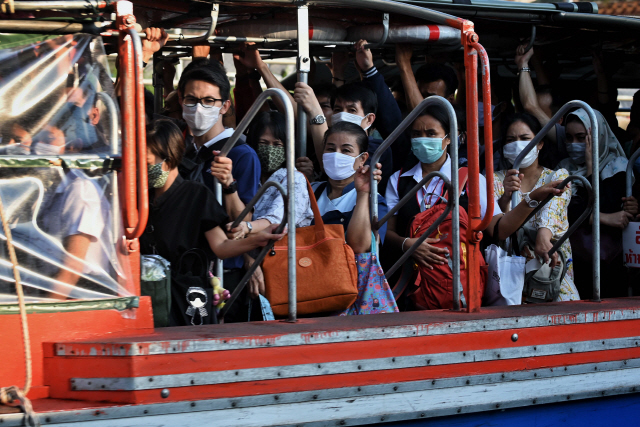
(554, 217)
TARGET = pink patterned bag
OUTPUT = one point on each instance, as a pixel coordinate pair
(374, 293)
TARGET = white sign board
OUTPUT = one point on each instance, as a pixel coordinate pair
(631, 245)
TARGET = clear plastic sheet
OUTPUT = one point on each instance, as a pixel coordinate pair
(59, 135)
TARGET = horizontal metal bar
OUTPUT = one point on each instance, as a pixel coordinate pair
(62, 4)
(168, 346)
(347, 366)
(33, 26)
(144, 413)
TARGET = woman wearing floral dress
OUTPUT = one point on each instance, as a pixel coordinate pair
(551, 222)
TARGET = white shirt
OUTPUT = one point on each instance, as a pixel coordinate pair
(430, 196)
(271, 205)
(79, 206)
(226, 133)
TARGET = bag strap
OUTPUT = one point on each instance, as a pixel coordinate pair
(319, 190)
(463, 176)
(200, 256)
(319, 223)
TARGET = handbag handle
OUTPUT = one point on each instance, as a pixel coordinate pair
(317, 218)
(200, 255)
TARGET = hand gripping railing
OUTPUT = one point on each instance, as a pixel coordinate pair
(578, 222)
(595, 180)
(453, 190)
(264, 250)
(290, 201)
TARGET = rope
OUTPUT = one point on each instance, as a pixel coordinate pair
(9, 395)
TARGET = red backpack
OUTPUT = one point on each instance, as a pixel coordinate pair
(435, 286)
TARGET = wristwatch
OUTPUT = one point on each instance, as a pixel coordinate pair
(318, 120)
(249, 227)
(232, 188)
(529, 201)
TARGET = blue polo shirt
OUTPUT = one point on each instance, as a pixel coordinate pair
(340, 210)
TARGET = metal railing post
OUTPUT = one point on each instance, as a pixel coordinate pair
(304, 66)
(454, 190)
(290, 147)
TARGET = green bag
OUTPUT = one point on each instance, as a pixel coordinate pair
(155, 282)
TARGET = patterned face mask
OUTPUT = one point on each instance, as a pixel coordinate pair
(271, 157)
(157, 177)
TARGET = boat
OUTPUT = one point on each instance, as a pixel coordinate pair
(97, 359)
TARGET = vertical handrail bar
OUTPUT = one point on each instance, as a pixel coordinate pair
(290, 144)
(595, 180)
(304, 67)
(127, 108)
(454, 192)
(141, 134)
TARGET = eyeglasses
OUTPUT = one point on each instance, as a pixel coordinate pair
(206, 102)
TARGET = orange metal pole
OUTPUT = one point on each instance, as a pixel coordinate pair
(473, 236)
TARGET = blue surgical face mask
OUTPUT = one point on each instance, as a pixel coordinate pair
(427, 150)
(576, 151)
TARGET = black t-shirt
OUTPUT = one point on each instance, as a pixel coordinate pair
(178, 220)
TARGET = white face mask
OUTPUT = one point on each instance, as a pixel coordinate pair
(16, 149)
(339, 166)
(512, 149)
(200, 119)
(576, 151)
(348, 117)
(43, 149)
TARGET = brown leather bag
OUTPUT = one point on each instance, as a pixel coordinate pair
(327, 275)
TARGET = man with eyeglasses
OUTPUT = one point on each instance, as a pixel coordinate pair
(203, 92)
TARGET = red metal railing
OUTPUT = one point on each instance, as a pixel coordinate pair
(134, 143)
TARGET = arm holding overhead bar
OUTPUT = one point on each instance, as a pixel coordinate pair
(251, 59)
(528, 95)
(411, 89)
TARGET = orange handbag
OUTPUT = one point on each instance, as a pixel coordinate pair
(327, 275)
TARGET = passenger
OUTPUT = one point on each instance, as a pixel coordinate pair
(183, 214)
(250, 58)
(204, 94)
(429, 141)
(77, 213)
(324, 93)
(429, 79)
(16, 138)
(267, 135)
(613, 164)
(552, 221)
(344, 197)
(357, 104)
(388, 114)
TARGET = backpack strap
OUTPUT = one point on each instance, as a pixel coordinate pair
(463, 176)
(319, 190)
